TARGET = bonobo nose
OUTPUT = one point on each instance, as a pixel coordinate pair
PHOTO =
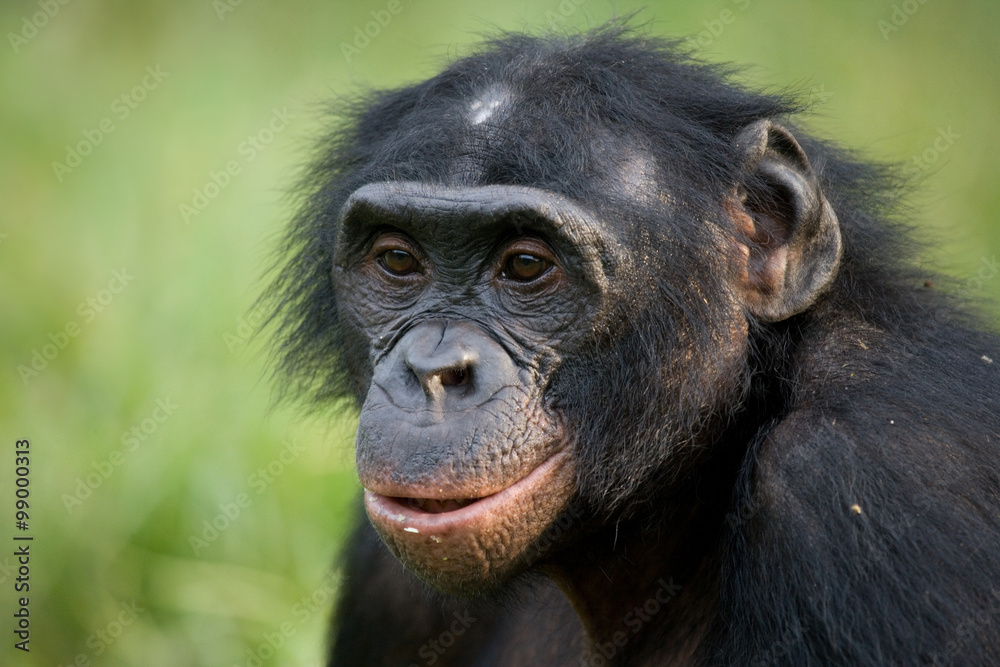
(445, 365)
(440, 360)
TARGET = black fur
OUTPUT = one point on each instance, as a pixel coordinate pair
(845, 474)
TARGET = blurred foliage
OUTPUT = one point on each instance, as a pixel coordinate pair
(155, 416)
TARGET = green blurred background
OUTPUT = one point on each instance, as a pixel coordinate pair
(156, 416)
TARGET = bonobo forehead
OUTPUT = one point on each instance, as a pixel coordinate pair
(507, 131)
(590, 162)
(509, 138)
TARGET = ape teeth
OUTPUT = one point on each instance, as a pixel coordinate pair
(435, 506)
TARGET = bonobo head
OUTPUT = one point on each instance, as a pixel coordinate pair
(537, 273)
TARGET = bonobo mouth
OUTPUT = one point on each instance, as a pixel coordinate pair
(434, 506)
(416, 515)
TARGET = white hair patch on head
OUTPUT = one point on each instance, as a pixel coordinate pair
(484, 107)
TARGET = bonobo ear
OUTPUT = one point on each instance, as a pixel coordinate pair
(791, 237)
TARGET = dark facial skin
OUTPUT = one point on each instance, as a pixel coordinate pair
(467, 296)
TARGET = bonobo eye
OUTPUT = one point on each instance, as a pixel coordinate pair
(398, 262)
(396, 255)
(526, 260)
(525, 267)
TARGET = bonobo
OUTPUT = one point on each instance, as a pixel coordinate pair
(646, 376)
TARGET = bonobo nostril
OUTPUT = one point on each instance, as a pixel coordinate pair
(454, 377)
(443, 365)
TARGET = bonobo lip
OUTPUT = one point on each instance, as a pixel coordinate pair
(438, 518)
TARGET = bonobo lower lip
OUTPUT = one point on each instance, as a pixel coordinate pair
(436, 518)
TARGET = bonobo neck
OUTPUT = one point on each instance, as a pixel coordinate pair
(646, 592)
(646, 589)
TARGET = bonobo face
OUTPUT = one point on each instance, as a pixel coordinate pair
(468, 298)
